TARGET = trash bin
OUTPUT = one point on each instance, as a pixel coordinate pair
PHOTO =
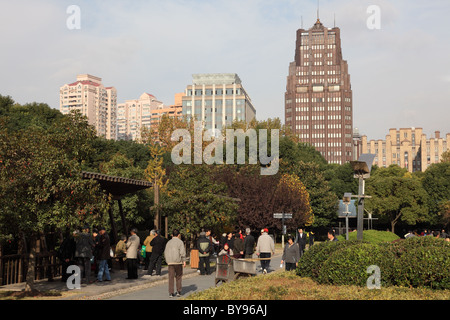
(224, 269)
(194, 259)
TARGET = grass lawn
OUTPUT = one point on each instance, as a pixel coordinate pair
(282, 285)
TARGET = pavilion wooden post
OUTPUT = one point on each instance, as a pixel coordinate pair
(113, 223)
(166, 220)
(1, 264)
(122, 216)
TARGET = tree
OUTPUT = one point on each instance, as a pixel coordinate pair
(120, 165)
(397, 196)
(291, 153)
(41, 187)
(136, 205)
(29, 115)
(255, 194)
(436, 182)
(262, 196)
(341, 179)
(6, 103)
(445, 212)
(156, 173)
(445, 157)
(292, 197)
(163, 134)
(196, 200)
(323, 201)
(75, 136)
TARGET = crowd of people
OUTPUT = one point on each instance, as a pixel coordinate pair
(94, 253)
(428, 232)
(244, 245)
(91, 251)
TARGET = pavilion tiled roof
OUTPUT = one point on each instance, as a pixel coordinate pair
(117, 186)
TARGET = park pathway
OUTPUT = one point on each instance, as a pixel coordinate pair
(192, 283)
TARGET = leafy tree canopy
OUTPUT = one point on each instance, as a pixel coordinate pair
(397, 196)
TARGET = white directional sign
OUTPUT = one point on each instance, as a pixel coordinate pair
(280, 215)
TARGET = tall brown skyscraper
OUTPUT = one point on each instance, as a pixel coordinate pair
(318, 99)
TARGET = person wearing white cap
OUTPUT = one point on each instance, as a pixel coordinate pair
(264, 249)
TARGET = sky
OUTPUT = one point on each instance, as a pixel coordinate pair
(400, 71)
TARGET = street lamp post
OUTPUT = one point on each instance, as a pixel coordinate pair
(361, 169)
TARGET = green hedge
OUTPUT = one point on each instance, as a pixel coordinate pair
(414, 262)
(400, 247)
(313, 259)
(348, 265)
(422, 262)
(372, 236)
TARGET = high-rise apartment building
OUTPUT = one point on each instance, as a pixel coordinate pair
(217, 99)
(173, 111)
(318, 98)
(408, 148)
(92, 99)
(133, 115)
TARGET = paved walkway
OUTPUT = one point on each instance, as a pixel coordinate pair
(120, 288)
(99, 290)
(192, 283)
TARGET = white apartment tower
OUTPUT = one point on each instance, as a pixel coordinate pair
(133, 115)
(97, 102)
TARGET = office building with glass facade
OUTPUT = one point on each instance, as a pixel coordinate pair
(217, 100)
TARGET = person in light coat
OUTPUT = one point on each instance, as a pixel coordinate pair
(133, 243)
(175, 254)
(264, 249)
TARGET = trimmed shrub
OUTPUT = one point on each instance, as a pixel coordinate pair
(424, 267)
(313, 259)
(372, 236)
(348, 265)
(412, 262)
(422, 262)
(405, 245)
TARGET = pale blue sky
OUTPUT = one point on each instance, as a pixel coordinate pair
(400, 74)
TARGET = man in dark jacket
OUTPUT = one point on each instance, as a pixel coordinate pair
(66, 254)
(238, 246)
(204, 250)
(301, 240)
(83, 252)
(249, 244)
(158, 245)
(103, 254)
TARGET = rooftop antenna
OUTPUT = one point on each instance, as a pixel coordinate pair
(335, 20)
(302, 21)
(318, 6)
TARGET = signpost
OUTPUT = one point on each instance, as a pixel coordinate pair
(282, 216)
(346, 201)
